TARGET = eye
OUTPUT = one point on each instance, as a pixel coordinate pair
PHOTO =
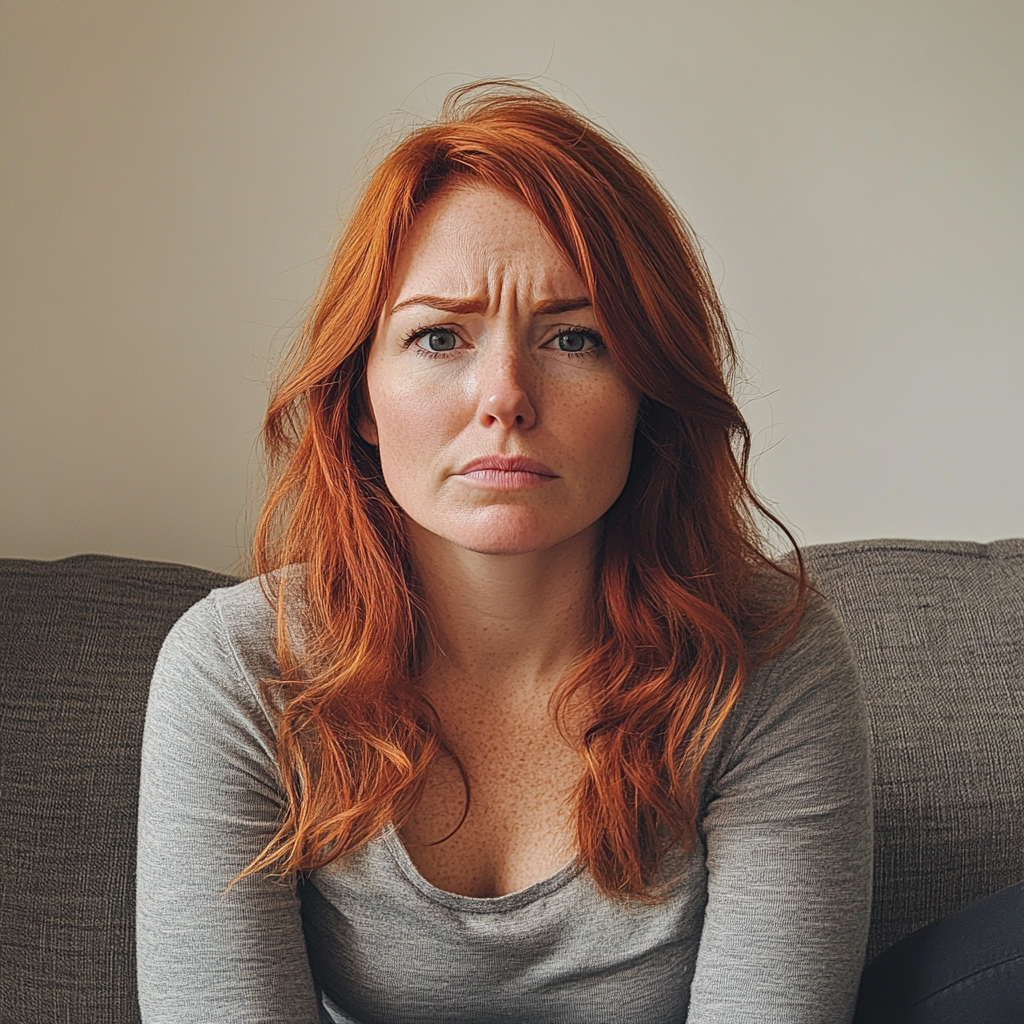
(437, 339)
(577, 341)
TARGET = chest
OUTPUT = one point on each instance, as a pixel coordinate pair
(517, 827)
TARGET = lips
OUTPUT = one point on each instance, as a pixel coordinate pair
(507, 464)
(507, 473)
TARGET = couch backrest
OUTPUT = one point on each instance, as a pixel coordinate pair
(938, 629)
(78, 641)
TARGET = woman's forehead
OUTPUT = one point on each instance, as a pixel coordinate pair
(473, 240)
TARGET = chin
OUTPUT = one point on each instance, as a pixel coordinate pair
(509, 532)
(500, 546)
(504, 541)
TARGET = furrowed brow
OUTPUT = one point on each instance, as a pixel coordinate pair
(452, 304)
(552, 307)
(448, 304)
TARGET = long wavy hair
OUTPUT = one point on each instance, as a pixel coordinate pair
(680, 611)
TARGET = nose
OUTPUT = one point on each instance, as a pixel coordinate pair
(505, 385)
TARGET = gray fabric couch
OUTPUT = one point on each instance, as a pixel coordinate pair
(939, 632)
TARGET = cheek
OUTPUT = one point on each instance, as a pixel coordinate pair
(604, 432)
(414, 422)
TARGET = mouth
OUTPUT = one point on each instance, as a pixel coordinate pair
(507, 473)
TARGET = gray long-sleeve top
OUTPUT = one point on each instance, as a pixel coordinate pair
(765, 919)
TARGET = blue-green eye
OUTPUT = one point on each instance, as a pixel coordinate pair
(575, 341)
(437, 341)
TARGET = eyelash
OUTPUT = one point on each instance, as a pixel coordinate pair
(410, 338)
(420, 332)
(587, 332)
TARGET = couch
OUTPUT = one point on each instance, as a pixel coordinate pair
(938, 629)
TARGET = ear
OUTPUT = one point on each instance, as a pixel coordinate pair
(367, 425)
(368, 430)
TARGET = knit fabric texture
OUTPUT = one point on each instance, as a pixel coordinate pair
(78, 640)
(938, 631)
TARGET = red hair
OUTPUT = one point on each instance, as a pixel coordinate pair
(681, 615)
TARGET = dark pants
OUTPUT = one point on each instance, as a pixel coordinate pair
(967, 968)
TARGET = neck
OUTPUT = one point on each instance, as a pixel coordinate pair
(506, 621)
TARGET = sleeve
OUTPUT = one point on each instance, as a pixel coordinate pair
(209, 802)
(788, 833)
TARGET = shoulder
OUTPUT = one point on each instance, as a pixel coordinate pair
(221, 651)
(237, 620)
(819, 648)
(819, 658)
(805, 694)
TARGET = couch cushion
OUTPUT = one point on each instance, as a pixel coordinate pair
(938, 628)
(78, 641)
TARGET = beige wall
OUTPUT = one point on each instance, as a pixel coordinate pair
(172, 174)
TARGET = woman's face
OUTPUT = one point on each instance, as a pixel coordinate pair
(502, 423)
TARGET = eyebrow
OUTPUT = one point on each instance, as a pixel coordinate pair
(549, 307)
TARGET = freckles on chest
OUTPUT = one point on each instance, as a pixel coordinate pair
(518, 827)
(516, 774)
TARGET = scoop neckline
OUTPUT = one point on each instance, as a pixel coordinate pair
(477, 904)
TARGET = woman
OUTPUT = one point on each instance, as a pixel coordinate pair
(517, 722)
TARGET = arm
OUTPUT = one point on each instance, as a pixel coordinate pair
(788, 830)
(209, 802)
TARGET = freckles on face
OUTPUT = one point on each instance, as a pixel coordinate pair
(502, 423)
